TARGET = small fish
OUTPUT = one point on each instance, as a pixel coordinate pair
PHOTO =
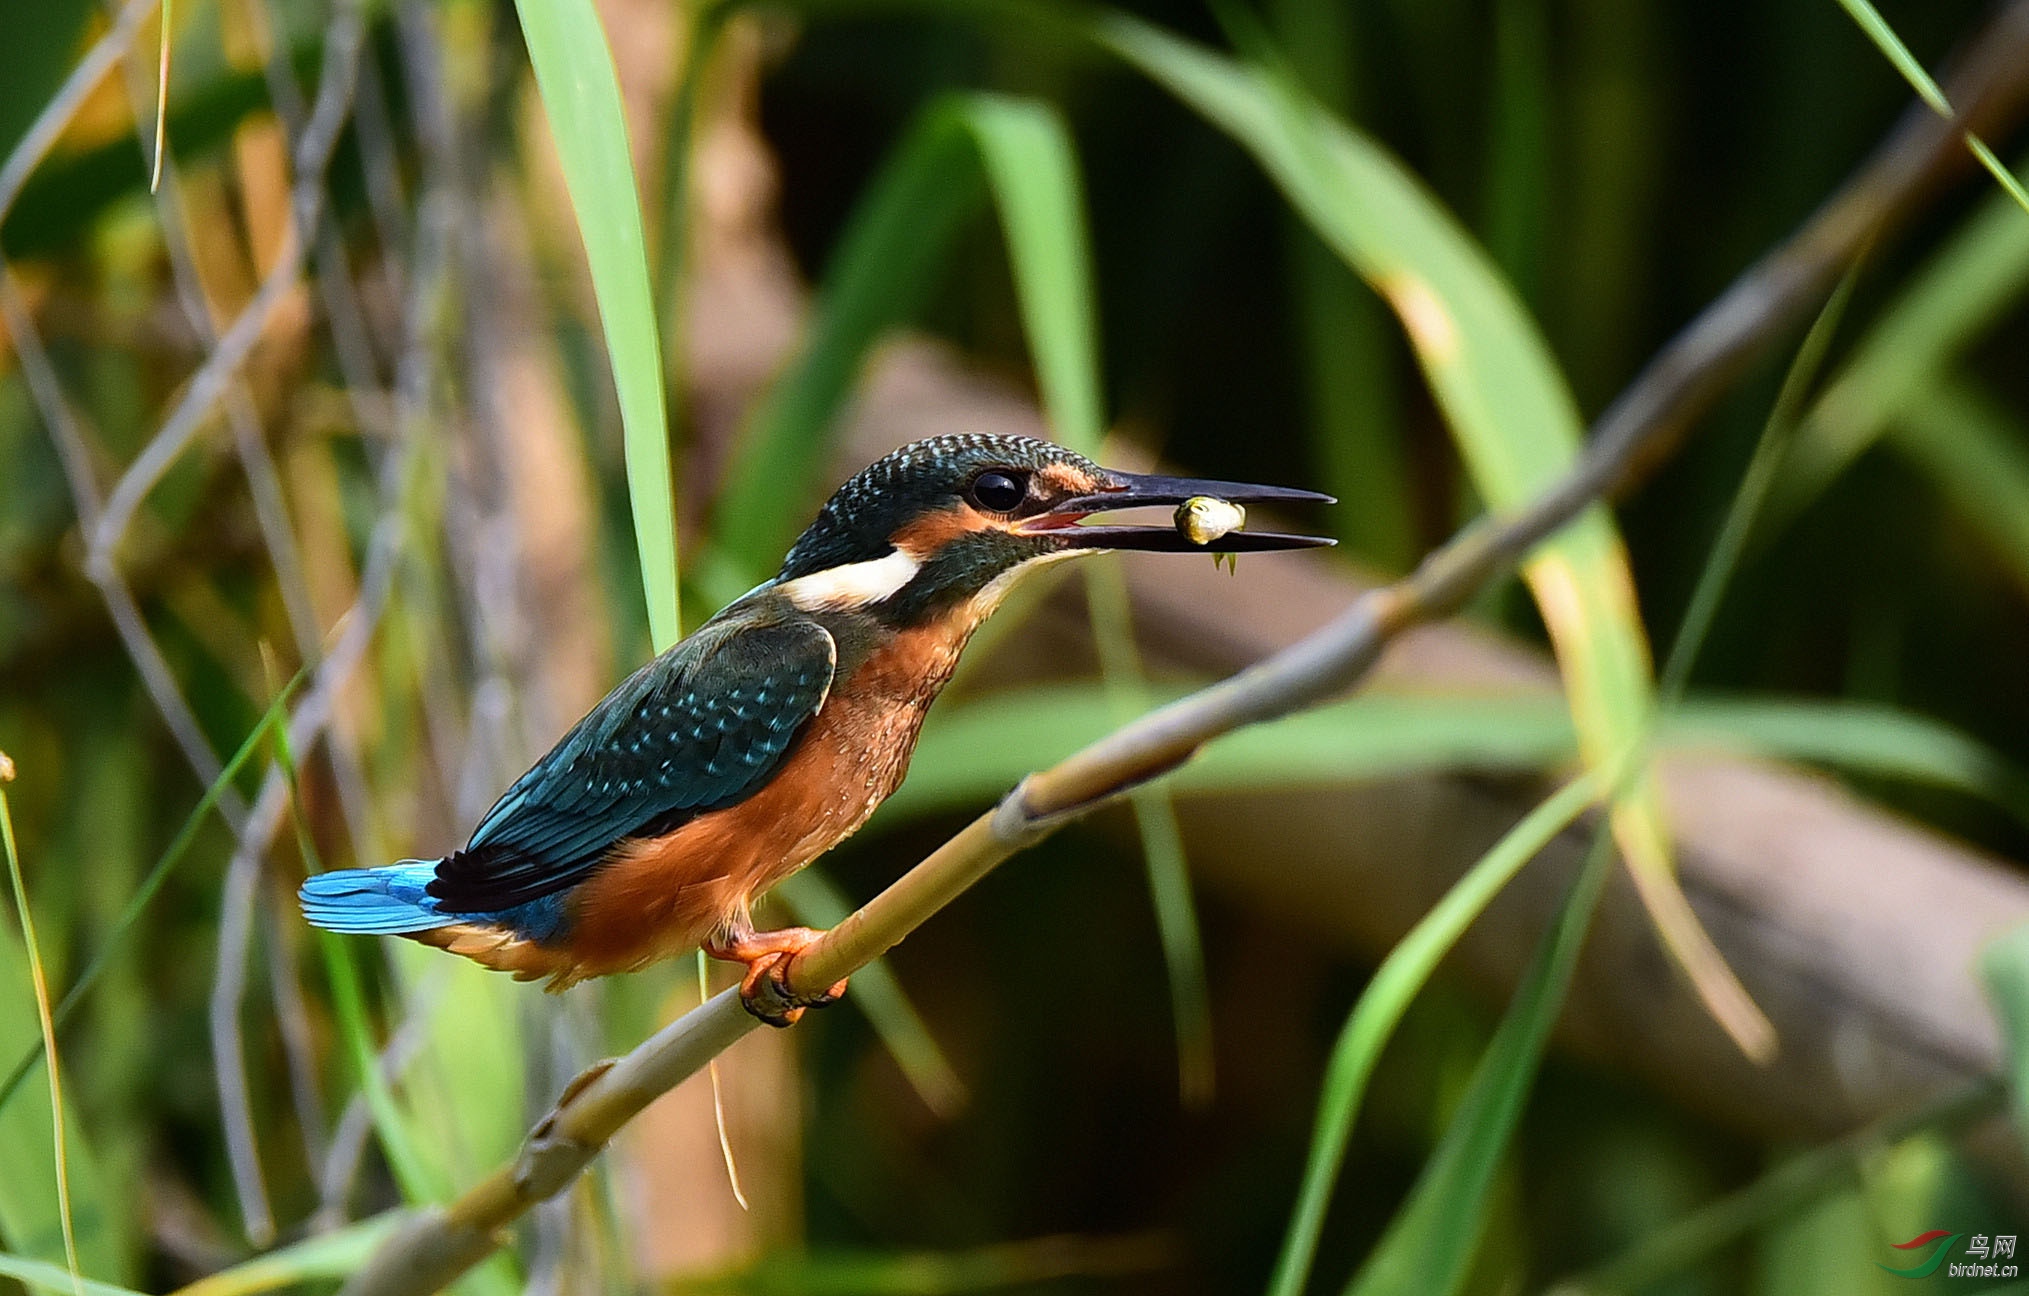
(1201, 519)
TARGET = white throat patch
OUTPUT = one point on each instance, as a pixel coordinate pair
(855, 585)
(989, 597)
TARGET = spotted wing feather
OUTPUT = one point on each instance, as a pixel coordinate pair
(697, 728)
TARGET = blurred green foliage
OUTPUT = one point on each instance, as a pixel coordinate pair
(1190, 202)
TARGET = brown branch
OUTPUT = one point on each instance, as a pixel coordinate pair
(438, 1244)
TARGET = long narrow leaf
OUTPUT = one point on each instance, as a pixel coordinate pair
(581, 97)
(31, 1211)
(40, 1275)
(1429, 1245)
(116, 939)
(1975, 452)
(1162, 839)
(1515, 422)
(349, 1006)
(1025, 149)
(975, 752)
(2004, 971)
(1401, 975)
(39, 987)
(1428, 1249)
(883, 269)
(336, 1254)
(1870, 20)
(1958, 296)
(1349, 347)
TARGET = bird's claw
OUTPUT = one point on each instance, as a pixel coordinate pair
(765, 992)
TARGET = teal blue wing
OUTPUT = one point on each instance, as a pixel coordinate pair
(698, 728)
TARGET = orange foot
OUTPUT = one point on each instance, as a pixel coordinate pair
(764, 990)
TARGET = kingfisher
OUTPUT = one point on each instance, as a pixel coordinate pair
(772, 732)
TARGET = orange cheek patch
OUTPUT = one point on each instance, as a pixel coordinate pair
(1065, 479)
(931, 532)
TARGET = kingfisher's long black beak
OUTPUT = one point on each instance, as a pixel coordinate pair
(1147, 490)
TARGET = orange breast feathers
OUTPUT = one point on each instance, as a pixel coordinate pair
(660, 896)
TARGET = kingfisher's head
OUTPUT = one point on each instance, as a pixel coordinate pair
(949, 522)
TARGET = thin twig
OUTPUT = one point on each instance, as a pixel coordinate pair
(343, 314)
(74, 452)
(436, 1245)
(70, 97)
(243, 875)
(313, 714)
(292, 1017)
(264, 485)
(255, 831)
(355, 1125)
(342, 39)
(375, 136)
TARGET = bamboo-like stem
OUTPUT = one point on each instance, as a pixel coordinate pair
(438, 1244)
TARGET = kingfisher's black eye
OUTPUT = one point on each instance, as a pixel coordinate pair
(998, 491)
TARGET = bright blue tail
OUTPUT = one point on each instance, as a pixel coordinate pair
(386, 901)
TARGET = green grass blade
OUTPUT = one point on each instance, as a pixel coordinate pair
(1350, 368)
(336, 1254)
(1870, 20)
(2004, 971)
(879, 276)
(1856, 738)
(1162, 840)
(1975, 452)
(1032, 171)
(973, 753)
(1355, 407)
(349, 1006)
(1508, 408)
(1958, 296)
(39, 987)
(115, 940)
(40, 1275)
(465, 1095)
(1771, 451)
(1897, 53)
(1401, 975)
(1521, 129)
(1428, 1248)
(1025, 149)
(581, 97)
(1429, 1245)
(32, 1215)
